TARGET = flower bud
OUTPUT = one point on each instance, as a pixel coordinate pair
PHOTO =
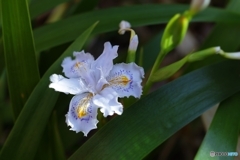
(174, 32)
(233, 55)
(198, 5)
(124, 25)
(133, 44)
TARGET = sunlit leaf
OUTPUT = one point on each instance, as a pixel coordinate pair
(224, 35)
(222, 136)
(169, 70)
(154, 118)
(26, 134)
(19, 51)
(38, 7)
(67, 30)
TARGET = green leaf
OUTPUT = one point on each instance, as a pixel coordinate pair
(2, 63)
(26, 134)
(3, 84)
(19, 51)
(86, 5)
(169, 70)
(57, 149)
(5, 109)
(152, 47)
(66, 30)
(222, 136)
(154, 118)
(38, 7)
(51, 146)
(224, 35)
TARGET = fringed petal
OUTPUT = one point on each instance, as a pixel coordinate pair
(126, 79)
(72, 86)
(82, 114)
(107, 100)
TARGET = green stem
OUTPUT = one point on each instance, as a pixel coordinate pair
(131, 56)
(155, 67)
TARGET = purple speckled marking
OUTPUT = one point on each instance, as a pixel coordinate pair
(74, 112)
(125, 73)
(75, 69)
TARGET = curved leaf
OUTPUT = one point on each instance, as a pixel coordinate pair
(38, 7)
(26, 134)
(19, 51)
(222, 136)
(169, 70)
(156, 117)
(224, 35)
(66, 30)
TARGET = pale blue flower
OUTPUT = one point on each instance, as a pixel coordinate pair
(96, 84)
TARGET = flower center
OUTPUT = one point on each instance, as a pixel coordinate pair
(83, 106)
(77, 65)
(119, 80)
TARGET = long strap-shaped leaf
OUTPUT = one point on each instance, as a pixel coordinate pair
(156, 117)
(39, 6)
(20, 59)
(27, 131)
(67, 29)
(223, 133)
(222, 136)
(225, 35)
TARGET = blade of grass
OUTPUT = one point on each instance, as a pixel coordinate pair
(25, 137)
(51, 147)
(57, 145)
(2, 63)
(19, 51)
(224, 35)
(81, 7)
(5, 109)
(2, 86)
(222, 136)
(154, 118)
(66, 30)
(38, 7)
(86, 5)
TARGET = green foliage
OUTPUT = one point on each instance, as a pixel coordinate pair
(156, 117)
(19, 50)
(171, 69)
(225, 123)
(38, 126)
(38, 7)
(67, 30)
(28, 135)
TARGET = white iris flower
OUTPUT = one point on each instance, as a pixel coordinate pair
(96, 84)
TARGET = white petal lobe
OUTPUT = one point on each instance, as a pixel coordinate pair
(72, 86)
(105, 60)
(88, 120)
(107, 100)
(126, 79)
(133, 43)
(73, 68)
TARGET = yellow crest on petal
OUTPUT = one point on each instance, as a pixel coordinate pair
(120, 80)
(83, 106)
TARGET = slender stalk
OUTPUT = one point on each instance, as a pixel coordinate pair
(131, 56)
(155, 67)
